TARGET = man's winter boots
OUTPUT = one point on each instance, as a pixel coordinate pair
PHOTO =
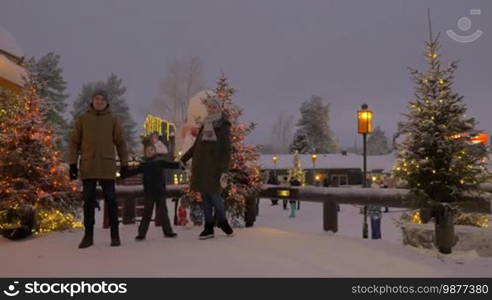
(88, 239)
(115, 236)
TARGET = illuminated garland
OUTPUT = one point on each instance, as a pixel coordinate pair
(470, 219)
(54, 220)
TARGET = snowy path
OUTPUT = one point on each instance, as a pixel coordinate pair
(276, 246)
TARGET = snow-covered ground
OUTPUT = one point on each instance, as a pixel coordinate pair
(276, 246)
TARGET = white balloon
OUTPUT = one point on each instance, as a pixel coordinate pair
(197, 111)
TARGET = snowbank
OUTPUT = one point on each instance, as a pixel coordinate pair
(276, 246)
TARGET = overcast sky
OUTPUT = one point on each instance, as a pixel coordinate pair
(276, 53)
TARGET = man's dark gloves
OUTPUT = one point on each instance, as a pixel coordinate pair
(74, 172)
(123, 171)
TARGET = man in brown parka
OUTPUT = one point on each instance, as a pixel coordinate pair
(94, 137)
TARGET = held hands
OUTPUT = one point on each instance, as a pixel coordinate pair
(74, 172)
(224, 179)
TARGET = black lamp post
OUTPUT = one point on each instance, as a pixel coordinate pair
(364, 122)
(313, 159)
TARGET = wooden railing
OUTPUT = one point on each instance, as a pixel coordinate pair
(329, 196)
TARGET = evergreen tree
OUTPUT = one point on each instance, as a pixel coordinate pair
(52, 88)
(35, 191)
(301, 143)
(437, 158)
(313, 133)
(243, 180)
(377, 143)
(115, 90)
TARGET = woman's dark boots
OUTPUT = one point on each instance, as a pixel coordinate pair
(208, 232)
(226, 228)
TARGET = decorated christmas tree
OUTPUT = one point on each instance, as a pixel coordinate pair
(8, 105)
(35, 192)
(243, 180)
(296, 172)
(438, 159)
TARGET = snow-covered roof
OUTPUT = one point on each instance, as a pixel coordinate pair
(11, 71)
(9, 44)
(330, 161)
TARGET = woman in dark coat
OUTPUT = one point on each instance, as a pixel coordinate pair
(211, 156)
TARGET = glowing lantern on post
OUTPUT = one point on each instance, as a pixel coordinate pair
(364, 118)
(274, 160)
(364, 122)
(313, 158)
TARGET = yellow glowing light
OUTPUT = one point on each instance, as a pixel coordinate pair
(55, 220)
(483, 221)
(364, 118)
(283, 193)
(416, 217)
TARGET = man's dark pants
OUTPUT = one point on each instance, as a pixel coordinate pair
(90, 202)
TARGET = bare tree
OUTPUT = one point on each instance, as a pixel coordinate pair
(184, 78)
(282, 132)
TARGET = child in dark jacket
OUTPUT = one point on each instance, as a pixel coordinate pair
(154, 190)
